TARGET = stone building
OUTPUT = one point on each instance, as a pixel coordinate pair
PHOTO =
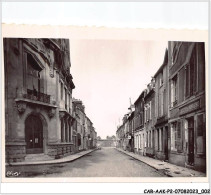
(139, 131)
(85, 134)
(126, 131)
(120, 136)
(130, 134)
(149, 118)
(162, 110)
(79, 126)
(89, 133)
(93, 138)
(38, 98)
(187, 104)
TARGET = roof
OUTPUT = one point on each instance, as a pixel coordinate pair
(165, 61)
(142, 93)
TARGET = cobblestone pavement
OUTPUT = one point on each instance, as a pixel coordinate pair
(107, 162)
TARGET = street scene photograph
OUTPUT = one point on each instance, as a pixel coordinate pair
(104, 108)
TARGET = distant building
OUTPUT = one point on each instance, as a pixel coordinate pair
(120, 136)
(79, 110)
(84, 131)
(106, 143)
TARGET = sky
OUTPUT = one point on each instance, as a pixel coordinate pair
(108, 72)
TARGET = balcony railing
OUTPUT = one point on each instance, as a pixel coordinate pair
(37, 96)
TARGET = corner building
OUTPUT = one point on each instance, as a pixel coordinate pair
(38, 98)
(187, 134)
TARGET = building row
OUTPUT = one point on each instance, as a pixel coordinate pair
(41, 117)
(168, 119)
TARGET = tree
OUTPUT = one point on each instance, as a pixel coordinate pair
(98, 138)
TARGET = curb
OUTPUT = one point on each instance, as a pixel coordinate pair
(47, 163)
(169, 175)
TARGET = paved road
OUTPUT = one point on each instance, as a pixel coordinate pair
(107, 162)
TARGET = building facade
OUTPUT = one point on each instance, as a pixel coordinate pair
(187, 104)
(38, 98)
(173, 126)
(139, 129)
(149, 118)
(162, 110)
(80, 124)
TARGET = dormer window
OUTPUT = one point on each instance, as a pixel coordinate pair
(175, 51)
(161, 79)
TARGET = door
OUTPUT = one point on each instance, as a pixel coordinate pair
(166, 143)
(34, 135)
(191, 141)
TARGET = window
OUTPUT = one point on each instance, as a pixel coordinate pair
(150, 112)
(145, 114)
(173, 136)
(176, 144)
(34, 77)
(65, 92)
(161, 79)
(191, 76)
(158, 140)
(174, 91)
(69, 98)
(161, 139)
(150, 141)
(161, 103)
(139, 141)
(61, 90)
(66, 131)
(62, 132)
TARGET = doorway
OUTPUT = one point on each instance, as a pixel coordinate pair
(166, 143)
(34, 135)
(191, 141)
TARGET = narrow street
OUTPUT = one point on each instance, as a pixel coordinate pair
(107, 162)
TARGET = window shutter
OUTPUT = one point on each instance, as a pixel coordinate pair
(164, 102)
(150, 110)
(181, 85)
(172, 93)
(187, 81)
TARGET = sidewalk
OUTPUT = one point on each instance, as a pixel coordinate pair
(164, 167)
(69, 158)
